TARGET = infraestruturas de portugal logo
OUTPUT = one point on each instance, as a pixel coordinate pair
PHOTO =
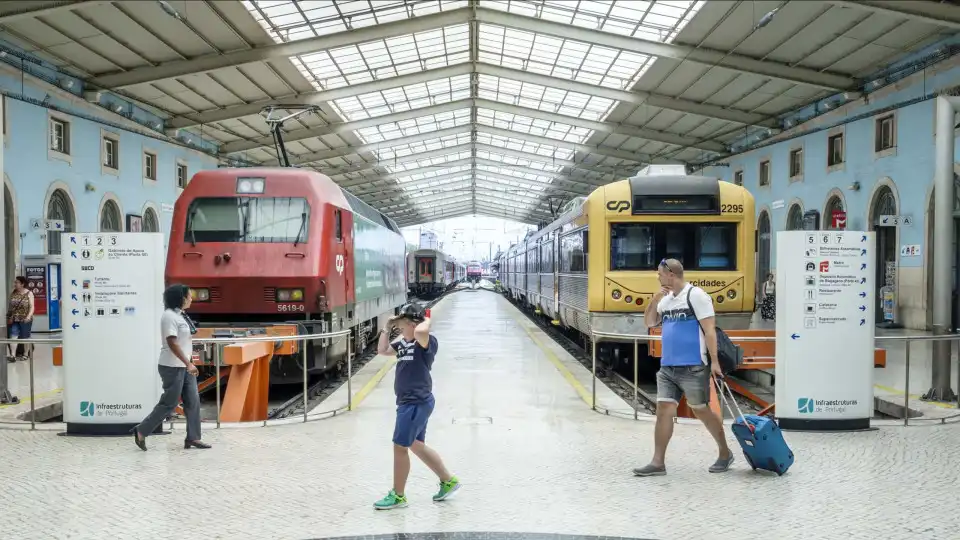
(807, 405)
(90, 409)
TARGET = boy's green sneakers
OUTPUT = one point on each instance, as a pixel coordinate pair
(392, 500)
(447, 489)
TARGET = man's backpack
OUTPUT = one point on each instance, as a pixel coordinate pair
(731, 354)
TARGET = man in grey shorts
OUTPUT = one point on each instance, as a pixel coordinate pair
(685, 365)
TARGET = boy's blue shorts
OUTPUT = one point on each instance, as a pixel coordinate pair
(412, 422)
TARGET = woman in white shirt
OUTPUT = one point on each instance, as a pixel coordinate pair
(768, 303)
(177, 372)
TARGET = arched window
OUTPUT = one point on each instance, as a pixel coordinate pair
(763, 247)
(795, 218)
(110, 218)
(834, 204)
(884, 204)
(150, 221)
(59, 208)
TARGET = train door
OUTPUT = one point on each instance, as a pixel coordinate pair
(338, 291)
(555, 246)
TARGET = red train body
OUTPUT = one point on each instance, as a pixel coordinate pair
(474, 272)
(273, 246)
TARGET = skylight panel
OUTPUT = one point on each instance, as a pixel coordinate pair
(414, 126)
(543, 164)
(533, 126)
(428, 162)
(520, 145)
(403, 98)
(544, 98)
(403, 150)
(519, 175)
(431, 173)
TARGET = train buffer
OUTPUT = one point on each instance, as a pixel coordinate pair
(759, 354)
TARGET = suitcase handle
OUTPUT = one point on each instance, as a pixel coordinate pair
(723, 389)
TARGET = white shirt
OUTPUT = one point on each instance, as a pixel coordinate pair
(172, 324)
(681, 329)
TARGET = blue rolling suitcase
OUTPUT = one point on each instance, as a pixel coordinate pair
(760, 437)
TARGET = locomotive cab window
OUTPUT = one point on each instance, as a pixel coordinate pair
(699, 246)
(248, 220)
(337, 225)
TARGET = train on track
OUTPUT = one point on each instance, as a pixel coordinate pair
(286, 251)
(474, 272)
(430, 272)
(595, 267)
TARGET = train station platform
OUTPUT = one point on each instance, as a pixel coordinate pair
(512, 421)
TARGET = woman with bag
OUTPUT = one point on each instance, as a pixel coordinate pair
(177, 372)
(20, 319)
(768, 302)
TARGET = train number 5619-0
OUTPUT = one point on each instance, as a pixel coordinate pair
(289, 307)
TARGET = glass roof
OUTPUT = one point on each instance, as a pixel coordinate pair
(533, 164)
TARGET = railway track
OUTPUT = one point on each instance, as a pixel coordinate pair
(328, 384)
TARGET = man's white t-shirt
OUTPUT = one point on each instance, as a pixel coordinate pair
(172, 324)
(683, 342)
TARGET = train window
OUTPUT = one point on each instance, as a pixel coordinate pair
(248, 219)
(337, 225)
(699, 246)
(573, 253)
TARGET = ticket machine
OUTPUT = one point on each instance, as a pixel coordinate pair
(43, 280)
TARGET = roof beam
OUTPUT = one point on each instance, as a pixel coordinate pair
(203, 64)
(415, 183)
(935, 13)
(341, 170)
(373, 147)
(635, 97)
(37, 9)
(607, 151)
(549, 188)
(674, 51)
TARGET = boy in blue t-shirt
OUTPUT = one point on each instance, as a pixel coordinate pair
(415, 349)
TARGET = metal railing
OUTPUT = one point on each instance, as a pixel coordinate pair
(907, 340)
(218, 343)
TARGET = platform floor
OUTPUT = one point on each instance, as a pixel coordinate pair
(511, 421)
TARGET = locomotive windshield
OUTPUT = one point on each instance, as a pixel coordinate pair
(699, 246)
(248, 220)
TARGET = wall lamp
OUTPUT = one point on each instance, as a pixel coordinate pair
(854, 186)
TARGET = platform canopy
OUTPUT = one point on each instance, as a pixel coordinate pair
(432, 109)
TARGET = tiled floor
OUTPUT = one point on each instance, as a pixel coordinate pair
(532, 457)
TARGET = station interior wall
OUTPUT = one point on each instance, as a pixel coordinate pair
(906, 171)
(33, 173)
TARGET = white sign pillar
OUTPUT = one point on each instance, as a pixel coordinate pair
(112, 301)
(825, 329)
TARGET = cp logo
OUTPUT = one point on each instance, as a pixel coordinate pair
(618, 206)
(340, 264)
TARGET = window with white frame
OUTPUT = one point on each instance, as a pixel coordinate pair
(181, 175)
(885, 135)
(150, 165)
(835, 150)
(111, 152)
(60, 136)
(738, 178)
(765, 172)
(796, 162)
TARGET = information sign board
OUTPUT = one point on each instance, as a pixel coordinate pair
(825, 329)
(112, 301)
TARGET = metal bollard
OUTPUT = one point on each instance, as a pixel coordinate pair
(216, 364)
(636, 376)
(303, 356)
(906, 388)
(349, 374)
(593, 397)
(33, 404)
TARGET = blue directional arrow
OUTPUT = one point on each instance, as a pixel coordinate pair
(863, 280)
(863, 266)
(73, 254)
(863, 308)
(863, 238)
(74, 282)
(863, 252)
(75, 326)
(794, 336)
(863, 322)
(863, 295)
(75, 312)
(73, 239)
(73, 296)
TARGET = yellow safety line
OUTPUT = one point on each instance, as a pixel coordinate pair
(41, 395)
(372, 383)
(899, 393)
(557, 363)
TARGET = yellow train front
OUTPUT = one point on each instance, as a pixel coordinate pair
(595, 267)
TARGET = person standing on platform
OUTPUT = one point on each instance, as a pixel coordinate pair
(689, 343)
(768, 304)
(415, 349)
(177, 372)
(20, 319)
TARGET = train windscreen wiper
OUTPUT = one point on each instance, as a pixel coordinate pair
(193, 234)
(303, 227)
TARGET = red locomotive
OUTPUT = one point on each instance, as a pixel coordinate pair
(474, 272)
(268, 249)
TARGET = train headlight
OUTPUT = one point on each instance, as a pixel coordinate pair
(250, 185)
(719, 298)
(628, 299)
(640, 301)
(731, 294)
(616, 294)
(200, 295)
(290, 295)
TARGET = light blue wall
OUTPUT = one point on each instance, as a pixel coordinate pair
(31, 171)
(910, 170)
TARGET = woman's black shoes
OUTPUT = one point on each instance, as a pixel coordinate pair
(141, 443)
(196, 444)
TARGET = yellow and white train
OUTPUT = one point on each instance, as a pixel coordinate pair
(595, 267)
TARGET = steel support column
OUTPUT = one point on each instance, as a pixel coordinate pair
(944, 196)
